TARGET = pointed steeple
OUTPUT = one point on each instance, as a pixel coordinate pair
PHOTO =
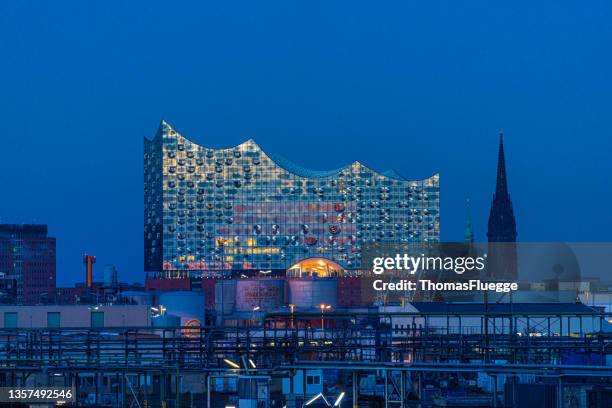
(501, 188)
(502, 225)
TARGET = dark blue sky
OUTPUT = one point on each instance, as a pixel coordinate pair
(422, 88)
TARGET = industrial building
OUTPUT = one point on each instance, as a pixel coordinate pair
(74, 316)
(421, 355)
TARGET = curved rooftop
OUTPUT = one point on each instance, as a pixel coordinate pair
(315, 267)
(288, 165)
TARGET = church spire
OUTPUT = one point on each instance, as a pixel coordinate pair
(502, 225)
(501, 188)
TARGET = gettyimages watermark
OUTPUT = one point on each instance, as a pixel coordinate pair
(422, 263)
(542, 271)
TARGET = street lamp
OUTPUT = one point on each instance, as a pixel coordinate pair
(255, 309)
(292, 309)
(323, 307)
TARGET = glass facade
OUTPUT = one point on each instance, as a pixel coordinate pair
(212, 210)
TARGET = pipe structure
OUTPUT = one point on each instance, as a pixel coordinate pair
(89, 260)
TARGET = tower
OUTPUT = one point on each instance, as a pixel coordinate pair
(501, 234)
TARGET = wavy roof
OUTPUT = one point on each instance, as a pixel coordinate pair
(288, 165)
(302, 171)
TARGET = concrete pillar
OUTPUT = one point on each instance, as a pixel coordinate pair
(177, 386)
(560, 394)
(304, 385)
(76, 387)
(96, 385)
(208, 391)
(355, 390)
(162, 389)
(402, 389)
(494, 378)
(386, 389)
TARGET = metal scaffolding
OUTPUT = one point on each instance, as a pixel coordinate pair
(282, 344)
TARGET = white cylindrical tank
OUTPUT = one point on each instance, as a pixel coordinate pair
(110, 276)
(187, 305)
(312, 292)
(225, 296)
(265, 294)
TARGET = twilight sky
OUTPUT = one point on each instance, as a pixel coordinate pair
(422, 88)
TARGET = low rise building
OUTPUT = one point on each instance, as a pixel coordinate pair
(74, 316)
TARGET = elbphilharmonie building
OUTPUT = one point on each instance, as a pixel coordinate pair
(210, 210)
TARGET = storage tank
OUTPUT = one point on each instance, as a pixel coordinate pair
(187, 305)
(312, 292)
(314, 282)
(265, 294)
(225, 296)
(110, 276)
